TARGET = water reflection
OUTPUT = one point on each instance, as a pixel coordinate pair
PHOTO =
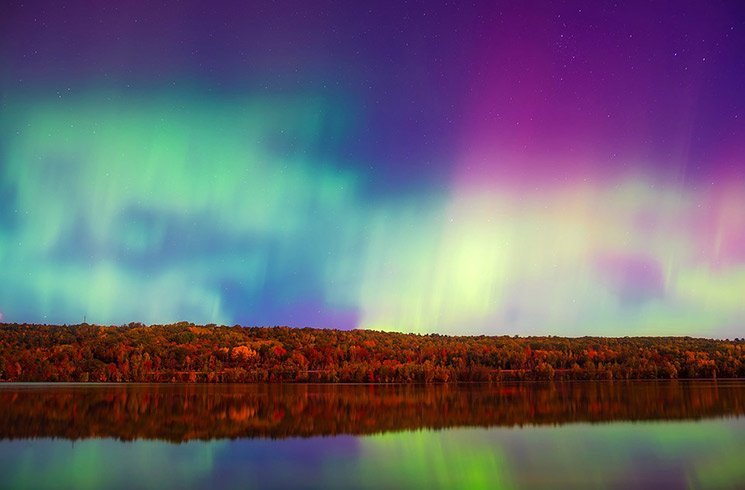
(562, 435)
(179, 413)
(691, 454)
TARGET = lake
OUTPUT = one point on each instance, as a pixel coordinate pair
(636, 434)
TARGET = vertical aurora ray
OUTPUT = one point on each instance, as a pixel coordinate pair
(627, 257)
(147, 211)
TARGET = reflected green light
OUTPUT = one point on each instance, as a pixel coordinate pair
(697, 454)
(428, 459)
(105, 463)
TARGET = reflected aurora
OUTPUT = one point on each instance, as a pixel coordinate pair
(96, 463)
(687, 454)
(504, 435)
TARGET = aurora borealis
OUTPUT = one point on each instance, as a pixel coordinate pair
(517, 168)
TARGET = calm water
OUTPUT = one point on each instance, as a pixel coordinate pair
(559, 435)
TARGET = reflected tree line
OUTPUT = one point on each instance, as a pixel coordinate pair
(185, 352)
(182, 412)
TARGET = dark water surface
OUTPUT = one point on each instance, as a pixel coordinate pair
(651, 434)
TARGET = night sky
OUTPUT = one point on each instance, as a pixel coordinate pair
(564, 168)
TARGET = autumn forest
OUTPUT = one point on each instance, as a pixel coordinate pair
(185, 352)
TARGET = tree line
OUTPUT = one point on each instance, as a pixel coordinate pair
(184, 352)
